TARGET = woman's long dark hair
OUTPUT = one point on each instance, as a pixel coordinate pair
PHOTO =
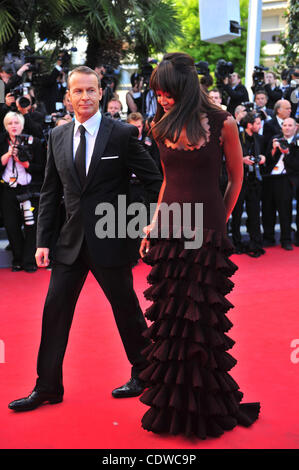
(177, 75)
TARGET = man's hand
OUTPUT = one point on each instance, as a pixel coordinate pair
(262, 159)
(247, 160)
(23, 69)
(276, 145)
(9, 99)
(42, 257)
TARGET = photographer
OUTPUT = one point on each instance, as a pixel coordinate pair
(216, 97)
(273, 91)
(280, 181)
(53, 88)
(10, 78)
(134, 95)
(292, 92)
(252, 146)
(239, 114)
(21, 168)
(109, 82)
(282, 110)
(14, 102)
(260, 101)
(237, 93)
(261, 105)
(114, 109)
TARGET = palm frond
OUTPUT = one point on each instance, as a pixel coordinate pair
(7, 25)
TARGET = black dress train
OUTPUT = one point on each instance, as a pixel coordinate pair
(188, 387)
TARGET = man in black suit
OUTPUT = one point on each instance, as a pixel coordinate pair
(281, 179)
(89, 162)
(237, 93)
(282, 110)
(253, 159)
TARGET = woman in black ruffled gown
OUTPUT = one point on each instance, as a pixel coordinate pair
(188, 387)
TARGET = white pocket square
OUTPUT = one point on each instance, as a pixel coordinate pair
(110, 157)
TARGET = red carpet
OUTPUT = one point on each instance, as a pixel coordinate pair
(265, 324)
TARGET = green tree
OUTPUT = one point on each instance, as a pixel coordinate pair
(113, 28)
(126, 27)
(289, 39)
(30, 17)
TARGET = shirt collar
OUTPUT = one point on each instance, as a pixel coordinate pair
(280, 121)
(91, 125)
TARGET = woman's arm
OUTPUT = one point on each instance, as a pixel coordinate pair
(234, 163)
(145, 244)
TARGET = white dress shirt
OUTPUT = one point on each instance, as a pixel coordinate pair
(91, 127)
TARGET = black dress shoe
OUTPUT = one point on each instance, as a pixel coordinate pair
(287, 246)
(34, 400)
(16, 267)
(133, 388)
(30, 269)
(256, 252)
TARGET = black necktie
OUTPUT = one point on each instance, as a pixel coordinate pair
(80, 157)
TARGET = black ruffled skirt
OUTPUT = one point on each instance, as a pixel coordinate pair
(188, 387)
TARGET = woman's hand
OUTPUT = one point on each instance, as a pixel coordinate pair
(144, 247)
(6, 156)
(24, 164)
(16, 159)
(145, 244)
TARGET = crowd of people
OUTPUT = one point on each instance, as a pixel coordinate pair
(268, 129)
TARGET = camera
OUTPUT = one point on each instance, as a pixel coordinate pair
(15, 60)
(202, 68)
(254, 159)
(65, 59)
(116, 116)
(146, 70)
(256, 166)
(20, 90)
(110, 77)
(258, 76)
(24, 146)
(26, 207)
(223, 70)
(283, 143)
(49, 119)
(249, 106)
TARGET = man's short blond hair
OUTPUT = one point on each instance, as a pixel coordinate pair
(85, 70)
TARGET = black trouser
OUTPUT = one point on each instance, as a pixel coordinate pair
(22, 242)
(65, 286)
(250, 194)
(277, 196)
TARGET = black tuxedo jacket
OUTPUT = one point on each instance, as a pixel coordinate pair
(237, 96)
(107, 178)
(270, 129)
(291, 160)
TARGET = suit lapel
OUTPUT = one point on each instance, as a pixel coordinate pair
(99, 147)
(68, 146)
